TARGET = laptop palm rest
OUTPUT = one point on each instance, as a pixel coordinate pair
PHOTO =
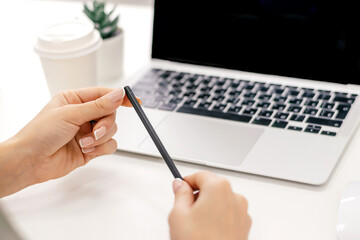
(201, 140)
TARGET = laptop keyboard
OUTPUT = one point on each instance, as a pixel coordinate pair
(273, 105)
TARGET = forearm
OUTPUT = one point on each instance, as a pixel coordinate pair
(16, 171)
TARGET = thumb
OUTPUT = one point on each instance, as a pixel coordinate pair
(100, 107)
(184, 197)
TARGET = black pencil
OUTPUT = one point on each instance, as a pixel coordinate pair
(152, 133)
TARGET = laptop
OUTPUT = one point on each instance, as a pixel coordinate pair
(260, 87)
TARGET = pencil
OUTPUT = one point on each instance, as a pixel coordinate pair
(140, 112)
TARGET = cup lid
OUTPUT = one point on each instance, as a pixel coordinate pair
(67, 40)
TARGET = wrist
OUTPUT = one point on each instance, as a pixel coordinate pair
(16, 170)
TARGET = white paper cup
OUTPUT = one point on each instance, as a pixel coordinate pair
(67, 51)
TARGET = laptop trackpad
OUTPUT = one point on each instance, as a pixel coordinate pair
(199, 139)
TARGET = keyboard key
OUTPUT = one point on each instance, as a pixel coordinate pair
(205, 105)
(328, 105)
(263, 89)
(263, 104)
(297, 117)
(308, 95)
(280, 124)
(324, 121)
(262, 121)
(344, 99)
(220, 91)
(190, 103)
(324, 96)
(205, 89)
(168, 106)
(295, 128)
(265, 97)
(218, 98)
(311, 103)
(248, 102)
(216, 114)
(327, 113)
(248, 87)
(175, 100)
(250, 111)
(204, 96)
(235, 93)
(341, 93)
(310, 111)
(234, 109)
(233, 100)
(234, 85)
(175, 92)
(249, 95)
(293, 93)
(343, 110)
(281, 115)
(277, 91)
(192, 87)
(220, 83)
(329, 133)
(265, 113)
(280, 99)
(278, 106)
(312, 129)
(296, 101)
(220, 107)
(294, 108)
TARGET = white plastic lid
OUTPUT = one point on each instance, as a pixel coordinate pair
(67, 40)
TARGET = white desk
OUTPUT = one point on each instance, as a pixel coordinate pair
(128, 196)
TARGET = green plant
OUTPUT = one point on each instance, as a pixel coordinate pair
(103, 21)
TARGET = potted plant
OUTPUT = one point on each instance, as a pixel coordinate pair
(110, 55)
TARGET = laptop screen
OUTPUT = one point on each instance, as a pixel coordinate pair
(309, 39)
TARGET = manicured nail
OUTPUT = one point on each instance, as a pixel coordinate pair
(87, 150)
(177, 183)
(116, 95)
(100, 132)
(86, 141)
(140, 101)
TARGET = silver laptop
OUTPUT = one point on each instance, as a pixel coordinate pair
(262, 87)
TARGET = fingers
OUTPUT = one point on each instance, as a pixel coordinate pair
(79, 114)
(103, 125)
(198, 180)
(184, 196)
(89, 140)
(95, 108)
(108, 147)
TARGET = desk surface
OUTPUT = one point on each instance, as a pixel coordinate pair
(129, 196)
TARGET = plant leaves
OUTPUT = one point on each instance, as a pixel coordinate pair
(88, 12)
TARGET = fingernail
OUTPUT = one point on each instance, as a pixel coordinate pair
(140, 101)
(177, 183)
(86, 141)
(87, 150)
(116, 95)
(100, 132)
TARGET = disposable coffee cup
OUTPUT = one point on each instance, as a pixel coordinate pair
(67, 51)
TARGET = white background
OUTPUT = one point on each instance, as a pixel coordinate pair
(128, 196)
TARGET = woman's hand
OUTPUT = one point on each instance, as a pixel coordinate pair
(216, 213)
(73, 128)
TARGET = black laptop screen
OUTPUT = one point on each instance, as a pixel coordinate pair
(317, 40)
